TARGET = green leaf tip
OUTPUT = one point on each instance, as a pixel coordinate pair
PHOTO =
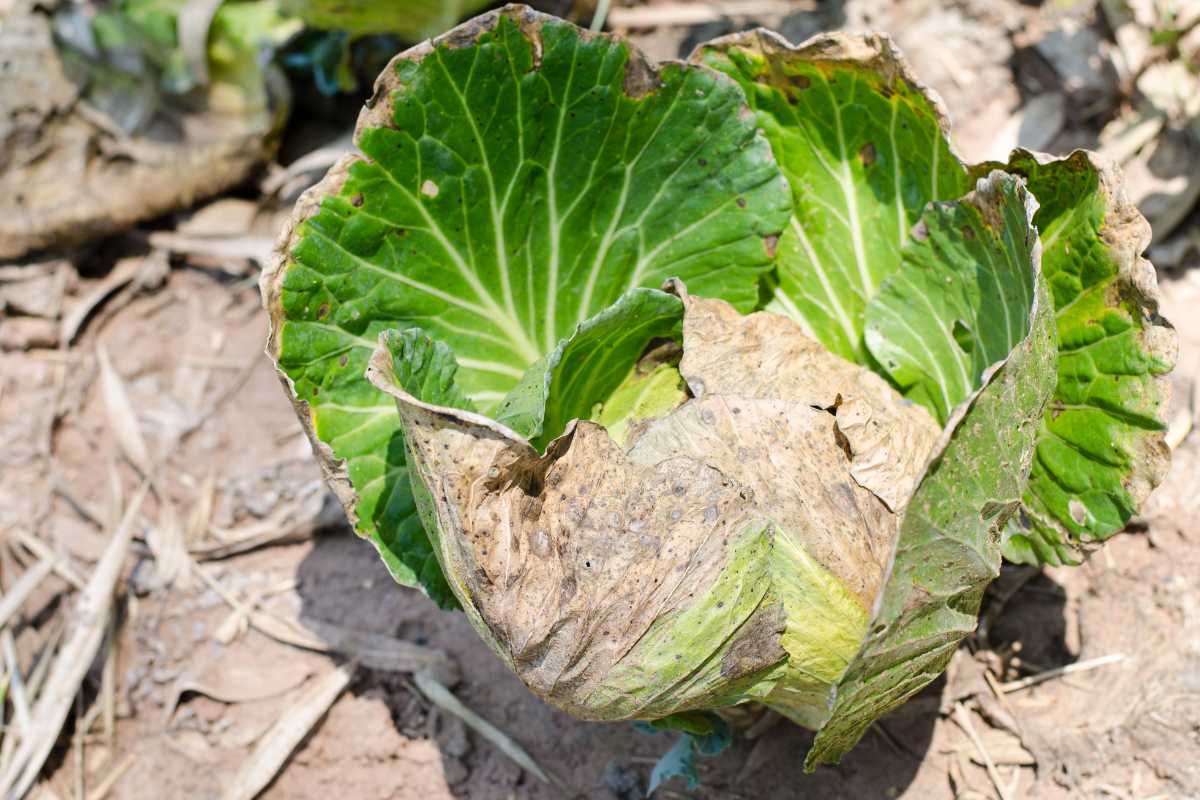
(647, 393)
(590, 364)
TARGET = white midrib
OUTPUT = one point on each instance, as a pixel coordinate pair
(901, 217)
(611, 233)
(401, 278)
(493, 201)
(847, 182)
(585, 300)
(494, 367)
(960, 356)
(1058, 226)
(552, 207)
(507, 323)
(917, 339)
(838, 310)
(997, 276)
(794, 312)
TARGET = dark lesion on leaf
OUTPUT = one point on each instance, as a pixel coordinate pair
(868, 154)
(770, 243)
(757, 645)
(641, 78)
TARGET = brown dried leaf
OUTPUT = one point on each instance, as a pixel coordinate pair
(573, 564)
(766, 355)
(121, 416)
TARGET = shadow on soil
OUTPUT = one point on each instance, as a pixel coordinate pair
(1024, 616)
(343, 581)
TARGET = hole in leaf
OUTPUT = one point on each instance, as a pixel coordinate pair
(963, 337)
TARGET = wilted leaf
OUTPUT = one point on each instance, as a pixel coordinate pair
(1100, 448)
(473, 216)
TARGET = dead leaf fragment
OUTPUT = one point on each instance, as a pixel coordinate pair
(766, 355)
(83, 640)
(121, 416)
(286, 734)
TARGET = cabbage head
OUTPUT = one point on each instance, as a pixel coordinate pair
(718, 381)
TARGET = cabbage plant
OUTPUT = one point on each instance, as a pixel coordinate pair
(717, 381)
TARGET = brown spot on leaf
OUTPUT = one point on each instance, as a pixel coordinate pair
(1078, 511)
(356, 201)
(771, 243)
(757, 644)
(323, 311)
(741, 202)
(867, 154)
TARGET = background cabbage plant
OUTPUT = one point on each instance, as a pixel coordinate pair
(701, 383)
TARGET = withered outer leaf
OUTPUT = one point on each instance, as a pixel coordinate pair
(730, 552)
(763, 355)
